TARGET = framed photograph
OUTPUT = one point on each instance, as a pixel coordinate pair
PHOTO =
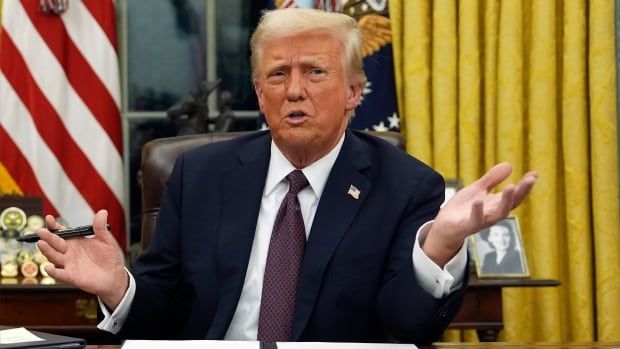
(498, 251)
(452, 186)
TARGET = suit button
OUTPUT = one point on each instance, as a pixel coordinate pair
(443, 315)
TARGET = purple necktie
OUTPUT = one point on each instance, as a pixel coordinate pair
(286, 251)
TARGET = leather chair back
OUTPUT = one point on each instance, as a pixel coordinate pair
(159, 155)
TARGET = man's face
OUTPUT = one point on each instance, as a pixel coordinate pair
(304, 93)
(499, 237)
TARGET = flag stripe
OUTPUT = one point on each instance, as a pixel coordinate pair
(60, 124)
(49, 173)
(76, 117)
(103, 10)
(77, 167)
(92, 41)
(22, 173)
(83, 79)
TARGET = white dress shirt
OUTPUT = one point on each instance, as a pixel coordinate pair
(244, 325)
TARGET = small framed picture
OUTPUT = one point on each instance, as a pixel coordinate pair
(498, 251)
(452, 186)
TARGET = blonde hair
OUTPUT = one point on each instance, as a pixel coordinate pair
(284, 22)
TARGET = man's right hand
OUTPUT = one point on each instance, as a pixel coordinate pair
(96, 265)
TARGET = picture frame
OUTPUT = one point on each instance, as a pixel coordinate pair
(504, 239)
(452, 186)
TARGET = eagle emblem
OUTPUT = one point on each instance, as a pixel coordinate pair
(376, 33)
(371, 15)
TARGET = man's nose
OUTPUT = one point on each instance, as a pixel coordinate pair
(296, 87)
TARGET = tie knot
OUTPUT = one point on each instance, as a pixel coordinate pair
(297, 182)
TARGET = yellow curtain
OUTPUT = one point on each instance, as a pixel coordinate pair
(531, 82)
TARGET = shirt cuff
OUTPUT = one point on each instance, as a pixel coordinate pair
(433, 279)
(114, 322)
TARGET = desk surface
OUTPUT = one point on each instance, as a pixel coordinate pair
(545, 345)
(475, 282)
(495, 345)
(63, 309)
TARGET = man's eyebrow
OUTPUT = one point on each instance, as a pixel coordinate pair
(313, 60)
(278, 64)
(283, 63)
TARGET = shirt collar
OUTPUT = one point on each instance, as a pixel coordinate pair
(316, 173)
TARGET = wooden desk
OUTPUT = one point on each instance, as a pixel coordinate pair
(482, 305)
(56, 308)
(64, 309)
(497, 345)
(538, 345)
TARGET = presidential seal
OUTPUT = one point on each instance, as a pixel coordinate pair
(9, 268)
(35, 222)
(29, 269)
(13, 218)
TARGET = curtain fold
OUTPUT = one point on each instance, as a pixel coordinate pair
(533, 83)
(576, 157)
(411, 36)
(443, 86)
(604, 169)
(469, 130)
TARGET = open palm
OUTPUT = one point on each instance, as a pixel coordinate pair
(474, 208)
(93, 264)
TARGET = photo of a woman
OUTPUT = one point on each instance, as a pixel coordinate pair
(499, 250)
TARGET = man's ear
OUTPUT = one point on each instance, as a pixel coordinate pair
(354, 96)
(259, 93)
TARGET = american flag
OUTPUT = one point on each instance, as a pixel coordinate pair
(60, 126)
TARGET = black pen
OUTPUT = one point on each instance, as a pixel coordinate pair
(84, 230)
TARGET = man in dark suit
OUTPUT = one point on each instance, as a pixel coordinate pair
(308, 232)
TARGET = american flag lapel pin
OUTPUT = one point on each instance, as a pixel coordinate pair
(354, 192)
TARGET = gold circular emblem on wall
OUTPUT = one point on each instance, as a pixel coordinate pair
(35, 222)
(9, 269)
(13, 218)
(29, 269)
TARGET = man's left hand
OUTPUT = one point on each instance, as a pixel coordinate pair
(472, 209)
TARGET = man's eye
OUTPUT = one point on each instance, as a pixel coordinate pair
(317, 71)
(277, 73)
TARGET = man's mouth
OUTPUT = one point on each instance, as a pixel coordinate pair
(296, 117)
(296, 114)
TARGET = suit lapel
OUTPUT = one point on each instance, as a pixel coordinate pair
(243, 188)
(337, 209)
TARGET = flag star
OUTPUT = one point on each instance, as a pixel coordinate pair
(394, 121)
(367, 90)
(380, 127)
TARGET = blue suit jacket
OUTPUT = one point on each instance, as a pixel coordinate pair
(357, 280)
